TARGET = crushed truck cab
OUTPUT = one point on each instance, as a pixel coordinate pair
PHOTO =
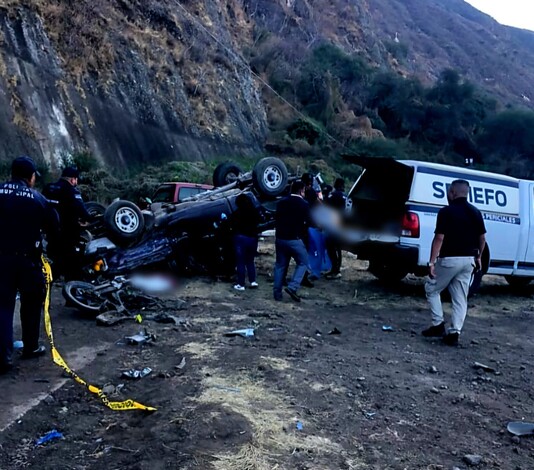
(395, 205)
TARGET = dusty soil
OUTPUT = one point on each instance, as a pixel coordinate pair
(364, 399)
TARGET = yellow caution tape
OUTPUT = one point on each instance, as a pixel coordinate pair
(114, 405)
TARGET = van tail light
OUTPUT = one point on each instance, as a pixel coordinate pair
(410, 225)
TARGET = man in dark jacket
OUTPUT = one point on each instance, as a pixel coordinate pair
(24, 215)
(337, 200)
(292, 220)
(69, 204)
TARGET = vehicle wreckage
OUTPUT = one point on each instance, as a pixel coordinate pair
(192, 236)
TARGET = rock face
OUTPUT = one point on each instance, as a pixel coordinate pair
(128, 99)
(137, 81)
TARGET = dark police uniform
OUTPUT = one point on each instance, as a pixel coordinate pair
(71, 209)
(24, 213)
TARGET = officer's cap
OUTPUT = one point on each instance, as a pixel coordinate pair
(24, 167)
(70, 172)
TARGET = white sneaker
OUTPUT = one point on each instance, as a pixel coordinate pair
(254, 285)
(239, 287)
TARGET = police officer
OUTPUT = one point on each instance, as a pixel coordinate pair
(24, 214)
(337, 199)
(456, 250)
(69, 204)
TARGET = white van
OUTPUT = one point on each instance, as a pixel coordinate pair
(395, 205)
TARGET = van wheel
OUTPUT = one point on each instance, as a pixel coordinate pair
(518, 281)
(387, 273)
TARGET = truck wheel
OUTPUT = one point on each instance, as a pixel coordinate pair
(269, 177)
(518, 281)
(386, 273)
(124, 220)
(226, 173)
(95, 209)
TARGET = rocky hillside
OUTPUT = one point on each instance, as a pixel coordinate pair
(138, 81)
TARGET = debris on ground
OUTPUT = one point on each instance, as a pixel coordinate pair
(136, 373)
(227, 389)
(387, 328)
(484, 367)
(473, 460)
(111, 318)
(49, 436)
(520, 428)
(166, 318)
(182, 364)
(140, 338)
(335, 331)
(245, 333)
(299, 426)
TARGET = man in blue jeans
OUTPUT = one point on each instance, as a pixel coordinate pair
(292, 220)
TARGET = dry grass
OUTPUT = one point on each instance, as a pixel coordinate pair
(271, 418)
(198, 350)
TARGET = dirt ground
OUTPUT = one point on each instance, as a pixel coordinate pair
(293, 396)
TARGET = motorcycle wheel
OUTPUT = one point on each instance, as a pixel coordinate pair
(83, 295)
(226, 173)
(269, 177)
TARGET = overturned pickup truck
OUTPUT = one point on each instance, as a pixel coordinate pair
(190, 236)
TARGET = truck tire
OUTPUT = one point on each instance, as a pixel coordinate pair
(95, 208)
(226, 173)
(385, 273)
(518, 281)
(269, 177)
(124, 221)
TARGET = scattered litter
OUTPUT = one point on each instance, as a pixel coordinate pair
(335, 331)
(484, 367)
(136, 374)
(369, 414)
(245, 333)
(387, 328)
(318, 333)
(140, 338)
(49, 436)
(182, 364)
(18, 344)
(300, 426)
(227, 389)
(433, 370)
(520, 428)
(139, 318)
